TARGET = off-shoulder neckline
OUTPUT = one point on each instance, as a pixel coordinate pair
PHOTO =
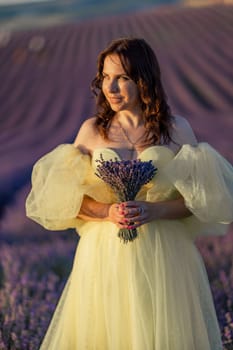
(99, 149)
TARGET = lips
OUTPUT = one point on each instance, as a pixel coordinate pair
(114, 100)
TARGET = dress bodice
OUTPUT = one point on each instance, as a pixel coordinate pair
(158, 154)
(159, 187)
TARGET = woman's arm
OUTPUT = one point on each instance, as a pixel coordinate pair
(137, 213)
(91, 210)
(133, 213)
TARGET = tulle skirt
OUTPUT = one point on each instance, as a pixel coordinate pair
(149, 294)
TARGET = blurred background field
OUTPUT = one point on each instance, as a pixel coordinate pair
(48, 56)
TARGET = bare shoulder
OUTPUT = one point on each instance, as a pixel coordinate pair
(87, 135)
(183, 132)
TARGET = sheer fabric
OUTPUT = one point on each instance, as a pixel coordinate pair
(152, 293)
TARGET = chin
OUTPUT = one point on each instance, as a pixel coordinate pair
(116, 108)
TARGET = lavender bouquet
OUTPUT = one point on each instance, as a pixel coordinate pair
(125, 177)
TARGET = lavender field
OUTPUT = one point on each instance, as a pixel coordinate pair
(44, 96)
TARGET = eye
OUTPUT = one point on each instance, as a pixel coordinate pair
(124, 77)
(105, 77)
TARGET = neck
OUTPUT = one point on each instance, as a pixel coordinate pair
(129, 120)
(132, 142)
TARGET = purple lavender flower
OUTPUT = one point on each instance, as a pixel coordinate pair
(125, 177)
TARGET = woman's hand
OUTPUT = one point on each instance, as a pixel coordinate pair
(130, 214)
(137, 213)
(116, 215)
(133, 214)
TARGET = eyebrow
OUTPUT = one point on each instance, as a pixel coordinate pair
(118, 75)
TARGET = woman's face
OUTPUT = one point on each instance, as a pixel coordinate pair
(119, 89)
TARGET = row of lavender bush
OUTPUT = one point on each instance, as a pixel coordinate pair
(218, 257)
(33, 273)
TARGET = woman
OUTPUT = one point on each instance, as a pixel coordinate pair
(152, 293)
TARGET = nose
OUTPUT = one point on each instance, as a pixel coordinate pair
(113, 86)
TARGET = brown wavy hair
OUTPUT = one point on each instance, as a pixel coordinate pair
(141, 65)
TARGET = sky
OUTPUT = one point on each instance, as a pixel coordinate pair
(14, 2)
(28, 14)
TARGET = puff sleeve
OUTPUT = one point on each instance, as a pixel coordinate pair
(205, 179)
(58, 186)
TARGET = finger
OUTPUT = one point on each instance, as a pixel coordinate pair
(116, 213)
(127, 205)
(136, 225)
(136, 215)
(122, 225)
(131, 212)
(133, 219)
(121, 210)
(130, 203)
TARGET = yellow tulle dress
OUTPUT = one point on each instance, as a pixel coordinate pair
(149, 294)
